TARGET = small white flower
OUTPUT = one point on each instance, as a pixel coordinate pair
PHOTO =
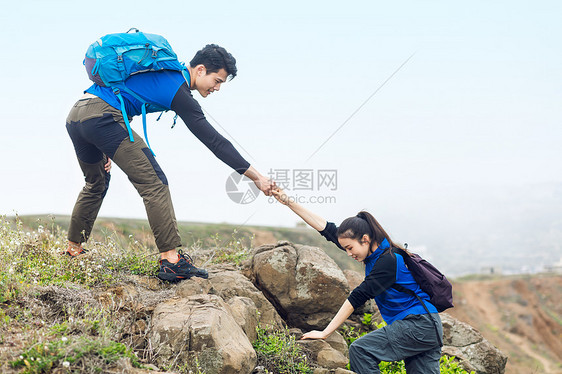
(11, 271)
(81, 263)
(64, 338)
(21, 357)
(66, 364)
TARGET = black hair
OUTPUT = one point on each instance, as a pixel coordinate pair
(364, 223)
(214, 58)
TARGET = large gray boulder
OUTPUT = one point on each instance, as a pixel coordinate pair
(304, 284)
(471, 349)
(229, 283)
(200, 333)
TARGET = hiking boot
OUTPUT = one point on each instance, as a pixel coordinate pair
(183, 269)
(74, 250)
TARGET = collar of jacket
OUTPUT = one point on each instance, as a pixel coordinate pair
(373, 257)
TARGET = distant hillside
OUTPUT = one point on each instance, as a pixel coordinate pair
(521, 315)
(198, 233)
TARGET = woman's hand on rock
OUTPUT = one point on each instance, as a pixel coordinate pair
(314, 335)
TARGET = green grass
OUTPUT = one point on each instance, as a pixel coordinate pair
(91, 354)
(279, 353)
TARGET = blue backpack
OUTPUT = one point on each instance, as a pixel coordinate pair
(115, 57)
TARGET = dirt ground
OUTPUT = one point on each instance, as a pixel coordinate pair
(522, 316)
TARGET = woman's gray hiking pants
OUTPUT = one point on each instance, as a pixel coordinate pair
(98, 131)
(412, 339)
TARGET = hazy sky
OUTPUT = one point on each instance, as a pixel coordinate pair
(470, 125)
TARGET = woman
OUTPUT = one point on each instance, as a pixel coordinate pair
(410, 334)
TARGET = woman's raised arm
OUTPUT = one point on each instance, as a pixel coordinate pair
(313, 220)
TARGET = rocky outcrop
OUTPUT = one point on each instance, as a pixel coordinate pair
(304, 283)
(228, 283)
(198, 331)
(209, 324)
(471, 349)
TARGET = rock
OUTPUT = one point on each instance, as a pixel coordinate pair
(354, 279)
(295, 332)
(193, 286)
(321, 371)
(119, 297)
(199, 329)
(337, 341)
(331, 359)
(305, 284)
(470, 348)
(245, 314)
(150, 283)
(459, 357)
(324, 354)
(485, 358)
(343, 371)
(457, 333)
(228, 283)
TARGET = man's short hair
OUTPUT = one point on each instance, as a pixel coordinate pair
(214, 58)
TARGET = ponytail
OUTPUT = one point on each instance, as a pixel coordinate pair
(365, 224)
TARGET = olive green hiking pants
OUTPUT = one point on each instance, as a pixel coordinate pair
(98, 131)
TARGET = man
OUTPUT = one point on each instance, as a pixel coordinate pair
(99, 134)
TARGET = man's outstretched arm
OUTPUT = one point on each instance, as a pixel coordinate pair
(192, 115)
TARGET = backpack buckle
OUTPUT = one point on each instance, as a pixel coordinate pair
(120, 58)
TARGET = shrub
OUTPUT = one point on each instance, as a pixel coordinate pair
(278, 352)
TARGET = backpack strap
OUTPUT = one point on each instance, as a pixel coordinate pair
(144, 127)
(126, 119)
(124, 112)
(410, 292)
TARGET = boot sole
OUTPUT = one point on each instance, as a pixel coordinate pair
(174, 278)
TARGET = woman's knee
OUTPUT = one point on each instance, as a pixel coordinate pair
(361, 360)
(356, 350)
